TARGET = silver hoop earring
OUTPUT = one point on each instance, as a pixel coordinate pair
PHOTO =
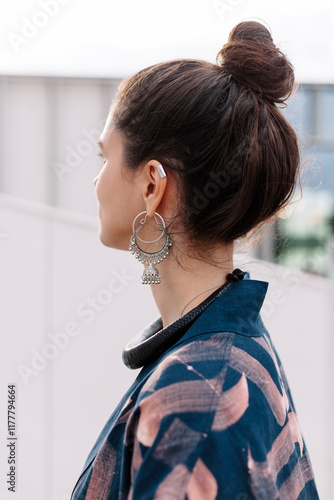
(150, 275)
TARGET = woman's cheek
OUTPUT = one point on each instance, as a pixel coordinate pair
(102, 187)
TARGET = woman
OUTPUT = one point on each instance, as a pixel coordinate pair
(196, 156)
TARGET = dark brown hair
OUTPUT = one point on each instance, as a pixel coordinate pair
(219, 127)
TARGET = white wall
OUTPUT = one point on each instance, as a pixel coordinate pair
(48, 133)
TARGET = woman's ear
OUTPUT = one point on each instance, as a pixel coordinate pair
(155, 182)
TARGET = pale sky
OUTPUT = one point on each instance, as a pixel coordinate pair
(113, 38)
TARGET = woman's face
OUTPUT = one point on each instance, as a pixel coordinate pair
(118, 192)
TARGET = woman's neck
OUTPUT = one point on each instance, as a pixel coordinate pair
(181, 289)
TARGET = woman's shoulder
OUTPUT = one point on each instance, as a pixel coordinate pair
(203, 355)
(211, 363)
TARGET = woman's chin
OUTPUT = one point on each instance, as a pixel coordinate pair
(113, 241)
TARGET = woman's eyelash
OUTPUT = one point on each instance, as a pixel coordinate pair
(100, 154)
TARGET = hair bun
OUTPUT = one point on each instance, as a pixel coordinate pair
(252, 58)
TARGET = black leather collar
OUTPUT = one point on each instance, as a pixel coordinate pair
(151, 342)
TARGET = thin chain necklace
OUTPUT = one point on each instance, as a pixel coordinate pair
(201, 293)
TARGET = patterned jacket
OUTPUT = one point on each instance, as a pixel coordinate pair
(209, 416)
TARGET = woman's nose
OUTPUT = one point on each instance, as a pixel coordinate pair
(95, 180)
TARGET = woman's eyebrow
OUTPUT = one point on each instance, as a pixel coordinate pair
(100, 144)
